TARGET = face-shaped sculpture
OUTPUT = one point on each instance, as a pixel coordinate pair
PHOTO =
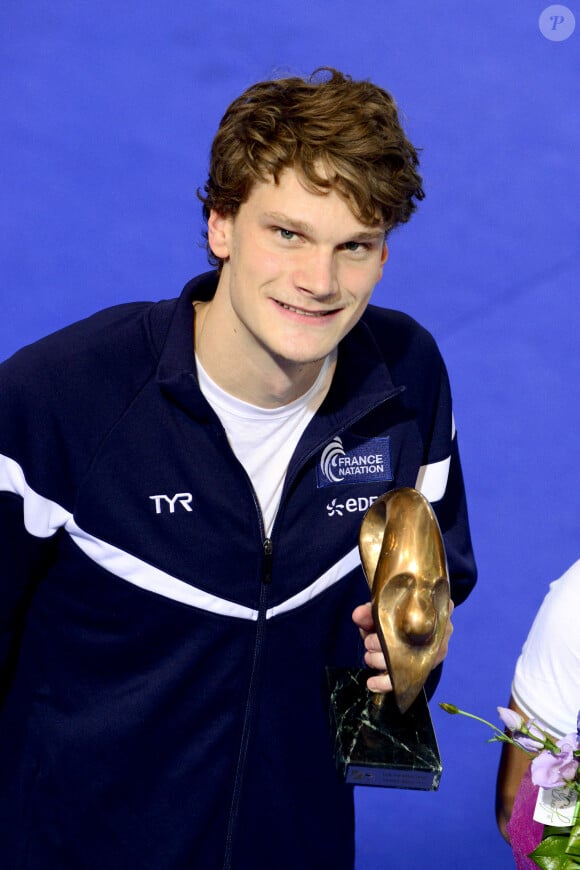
(404, 562)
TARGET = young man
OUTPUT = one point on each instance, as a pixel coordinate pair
(182, 489)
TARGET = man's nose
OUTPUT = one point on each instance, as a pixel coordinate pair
(318, 274)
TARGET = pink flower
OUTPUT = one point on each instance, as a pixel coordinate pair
(530, 738)
(550, 770)
(512, 720)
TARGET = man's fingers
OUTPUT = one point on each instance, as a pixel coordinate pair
(380, 683)
(363, 617)
(375, 660)
(372, 643)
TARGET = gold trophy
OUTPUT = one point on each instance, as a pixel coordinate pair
(388, 740)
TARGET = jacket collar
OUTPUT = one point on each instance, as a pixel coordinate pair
(176, 372)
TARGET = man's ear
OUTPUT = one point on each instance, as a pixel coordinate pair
(384, 258)
(218, 234)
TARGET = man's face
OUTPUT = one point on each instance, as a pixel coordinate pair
(299, 271)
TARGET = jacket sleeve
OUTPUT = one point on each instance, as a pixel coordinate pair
(440, 479)
(24, 560)
(26, 544)
(451, 512)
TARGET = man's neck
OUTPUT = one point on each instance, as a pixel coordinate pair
(265, 383)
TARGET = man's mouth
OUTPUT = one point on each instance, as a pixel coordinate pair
(304, 311)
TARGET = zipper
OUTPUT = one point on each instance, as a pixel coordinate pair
(265, 581)
(250, 702)
(267, 562)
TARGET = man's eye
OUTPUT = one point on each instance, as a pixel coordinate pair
(355, 247)
(286, 234)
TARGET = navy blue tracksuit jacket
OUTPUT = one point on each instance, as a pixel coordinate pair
(163, 702)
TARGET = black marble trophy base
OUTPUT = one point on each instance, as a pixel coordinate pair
(374, 743)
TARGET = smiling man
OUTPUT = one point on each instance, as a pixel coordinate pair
(298, 272)
(180, 512)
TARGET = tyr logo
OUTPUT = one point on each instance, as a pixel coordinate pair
(180, 498)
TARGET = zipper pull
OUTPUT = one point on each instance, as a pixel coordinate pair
(267, 567)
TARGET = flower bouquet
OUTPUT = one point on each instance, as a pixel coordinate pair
(555, 769)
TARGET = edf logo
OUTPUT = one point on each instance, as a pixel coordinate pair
(166, 502)
(336, 508)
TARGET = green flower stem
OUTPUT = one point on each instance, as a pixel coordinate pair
(573, 847)
(499, 734)
(548, 742)
(451, 708)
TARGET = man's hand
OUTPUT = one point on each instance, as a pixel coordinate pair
(362, 617)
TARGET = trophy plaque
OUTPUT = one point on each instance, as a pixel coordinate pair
(388, 740)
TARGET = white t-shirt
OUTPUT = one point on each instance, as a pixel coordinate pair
(546, 683)
(264, 439)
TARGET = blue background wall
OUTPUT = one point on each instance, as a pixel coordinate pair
(107, 114)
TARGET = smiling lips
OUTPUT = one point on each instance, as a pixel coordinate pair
(306, 313)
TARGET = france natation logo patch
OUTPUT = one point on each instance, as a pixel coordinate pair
(369, 461)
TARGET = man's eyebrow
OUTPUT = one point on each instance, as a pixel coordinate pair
(371, 235)
(368, 235)
(287, 221)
